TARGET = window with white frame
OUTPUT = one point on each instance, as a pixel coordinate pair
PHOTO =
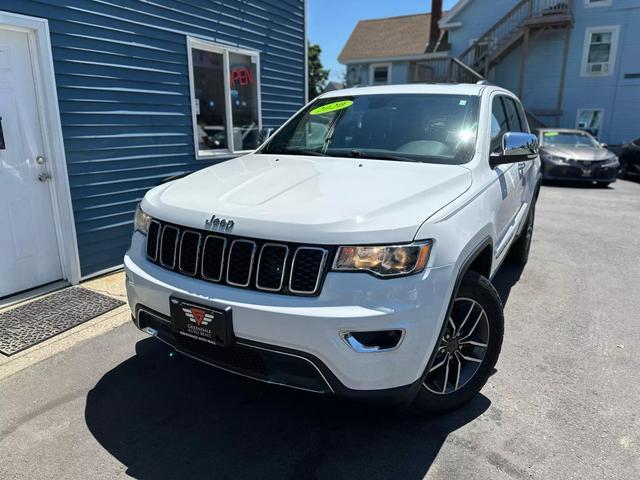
(600, 44)
(590, 120)
(597, 3)
(380, 74)
(225, 95)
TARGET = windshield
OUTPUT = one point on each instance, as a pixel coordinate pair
(568, 139)
(405, 127)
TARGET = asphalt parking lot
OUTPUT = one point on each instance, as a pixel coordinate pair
(564, 401)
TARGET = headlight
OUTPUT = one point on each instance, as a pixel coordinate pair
(611, 161)
(384, 261)
(554, 159)
(141, 220)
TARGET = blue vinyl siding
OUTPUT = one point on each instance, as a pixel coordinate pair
(123, 90)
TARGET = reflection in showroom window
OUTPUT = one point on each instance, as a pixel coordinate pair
(208, 79)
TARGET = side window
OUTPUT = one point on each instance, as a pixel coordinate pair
(499, 125)
(513, 119)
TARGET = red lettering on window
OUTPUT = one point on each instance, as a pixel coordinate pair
(241, 75)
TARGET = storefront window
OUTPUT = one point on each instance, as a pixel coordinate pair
(223, 81)
(244, 101)
(209, 101)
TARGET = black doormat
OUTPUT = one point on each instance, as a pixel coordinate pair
(34, 322)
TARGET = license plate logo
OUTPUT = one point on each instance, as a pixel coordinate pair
(198, 316)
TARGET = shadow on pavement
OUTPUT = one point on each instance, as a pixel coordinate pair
(505, 278)
(168, 417)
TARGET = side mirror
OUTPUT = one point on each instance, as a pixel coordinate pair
(264, 135)
(516, 147)
(603, 145)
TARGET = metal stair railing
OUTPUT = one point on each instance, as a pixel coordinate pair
(507, 30)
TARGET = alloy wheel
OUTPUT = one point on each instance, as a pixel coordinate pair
(461, 349)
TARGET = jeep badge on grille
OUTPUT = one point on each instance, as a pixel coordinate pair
(218, 224)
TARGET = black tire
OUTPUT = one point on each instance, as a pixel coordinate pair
(623, 171)
(519, 253)
(476, 288)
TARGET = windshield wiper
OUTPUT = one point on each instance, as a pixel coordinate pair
(295, 151)
(381, 156)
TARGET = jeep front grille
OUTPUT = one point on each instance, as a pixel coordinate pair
(279, 267)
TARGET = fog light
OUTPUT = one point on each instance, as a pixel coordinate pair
(376, 341)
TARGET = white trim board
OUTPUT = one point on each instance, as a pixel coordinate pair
(615, 35)
(420, 56)
(37, 30)
(372, 69)
(224, 50)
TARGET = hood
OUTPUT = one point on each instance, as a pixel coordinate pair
(578, 153)
(323, 200)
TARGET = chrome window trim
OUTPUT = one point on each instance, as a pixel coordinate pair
(204, 248)
(195, 269)
(175, 247)
(253, 254)
(284, 265)
(325, 253)
(158, 238)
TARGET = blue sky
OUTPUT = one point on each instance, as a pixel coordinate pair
(332, 21)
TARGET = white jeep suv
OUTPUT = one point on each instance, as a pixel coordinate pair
(351, 253)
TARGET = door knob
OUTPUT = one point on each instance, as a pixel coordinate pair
(43, 177)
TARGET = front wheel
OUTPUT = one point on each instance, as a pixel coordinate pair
(467, 351)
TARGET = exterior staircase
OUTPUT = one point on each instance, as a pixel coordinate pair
(511, 30)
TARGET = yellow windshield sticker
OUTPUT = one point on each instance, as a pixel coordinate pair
(551, 134)
(331, 107)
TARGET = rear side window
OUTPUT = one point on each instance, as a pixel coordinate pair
(513, 119)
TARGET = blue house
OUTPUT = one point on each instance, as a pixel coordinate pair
(102, 100)
(574, 63)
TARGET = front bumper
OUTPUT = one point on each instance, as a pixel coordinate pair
(578, 172)
(310, 327)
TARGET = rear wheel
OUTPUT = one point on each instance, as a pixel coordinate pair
(467, 351)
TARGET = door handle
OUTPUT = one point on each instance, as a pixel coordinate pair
(2, 145)
(43, 177)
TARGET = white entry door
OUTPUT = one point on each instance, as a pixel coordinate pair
(29, 254)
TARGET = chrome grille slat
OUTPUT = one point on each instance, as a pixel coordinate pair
(166, 237)
(293, 281)
(235, 261)
(214, 255)
(182, 254)
(280, 267)
(153, 240)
